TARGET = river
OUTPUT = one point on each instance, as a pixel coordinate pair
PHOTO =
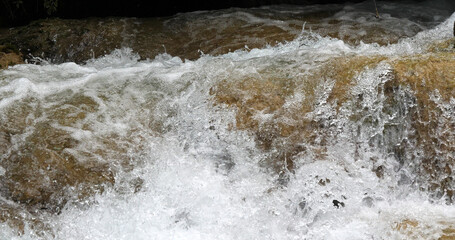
(279, 122)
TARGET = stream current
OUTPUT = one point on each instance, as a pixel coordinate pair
(336, 133)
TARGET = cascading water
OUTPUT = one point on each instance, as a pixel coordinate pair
(315, 138)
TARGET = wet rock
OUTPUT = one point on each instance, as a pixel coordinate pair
(188, 35)
(448, 234)
(15, 13)
(406, 224)
(431, 78)
(43, 175)
(17, 218)
(302, 207)
(446, 46)
(43, 168)
(46, 180)
(185, 36)
(337, 203)
(5, 143)
(137, 184)
(404, 180)
(414, 229)
(418, 94)
(302, 204)
(254, 96)
(298, 135)
(69, 40)
(323, 182)
(368, 201)
(224, 163)
(379, 171)
(183, 218)
(9, 56)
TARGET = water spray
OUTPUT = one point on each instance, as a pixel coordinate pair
(376, 7)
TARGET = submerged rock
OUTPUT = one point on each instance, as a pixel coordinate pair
(368, 201)
(46, 166)
(43, 175)
(432, 82)
(295, 114)
(188, 35)
(19, 219)
(61, 40)
(289, 132)
(416, 114)
(40, 170)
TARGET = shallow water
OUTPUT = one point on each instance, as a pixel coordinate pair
(257, 143)
(188, 35)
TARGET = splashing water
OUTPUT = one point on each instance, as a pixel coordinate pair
(313, 138)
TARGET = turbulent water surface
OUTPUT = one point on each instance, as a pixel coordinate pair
(316, 122)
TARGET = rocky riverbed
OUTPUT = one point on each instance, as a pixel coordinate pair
(273, 122)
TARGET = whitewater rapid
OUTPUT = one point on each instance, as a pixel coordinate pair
(200, 177)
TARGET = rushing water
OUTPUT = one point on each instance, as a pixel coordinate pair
(327, 136)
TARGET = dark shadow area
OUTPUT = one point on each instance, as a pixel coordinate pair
(21, 12)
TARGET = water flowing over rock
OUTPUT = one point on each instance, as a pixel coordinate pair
(417, 91)
(188, 35)
(329, 133)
